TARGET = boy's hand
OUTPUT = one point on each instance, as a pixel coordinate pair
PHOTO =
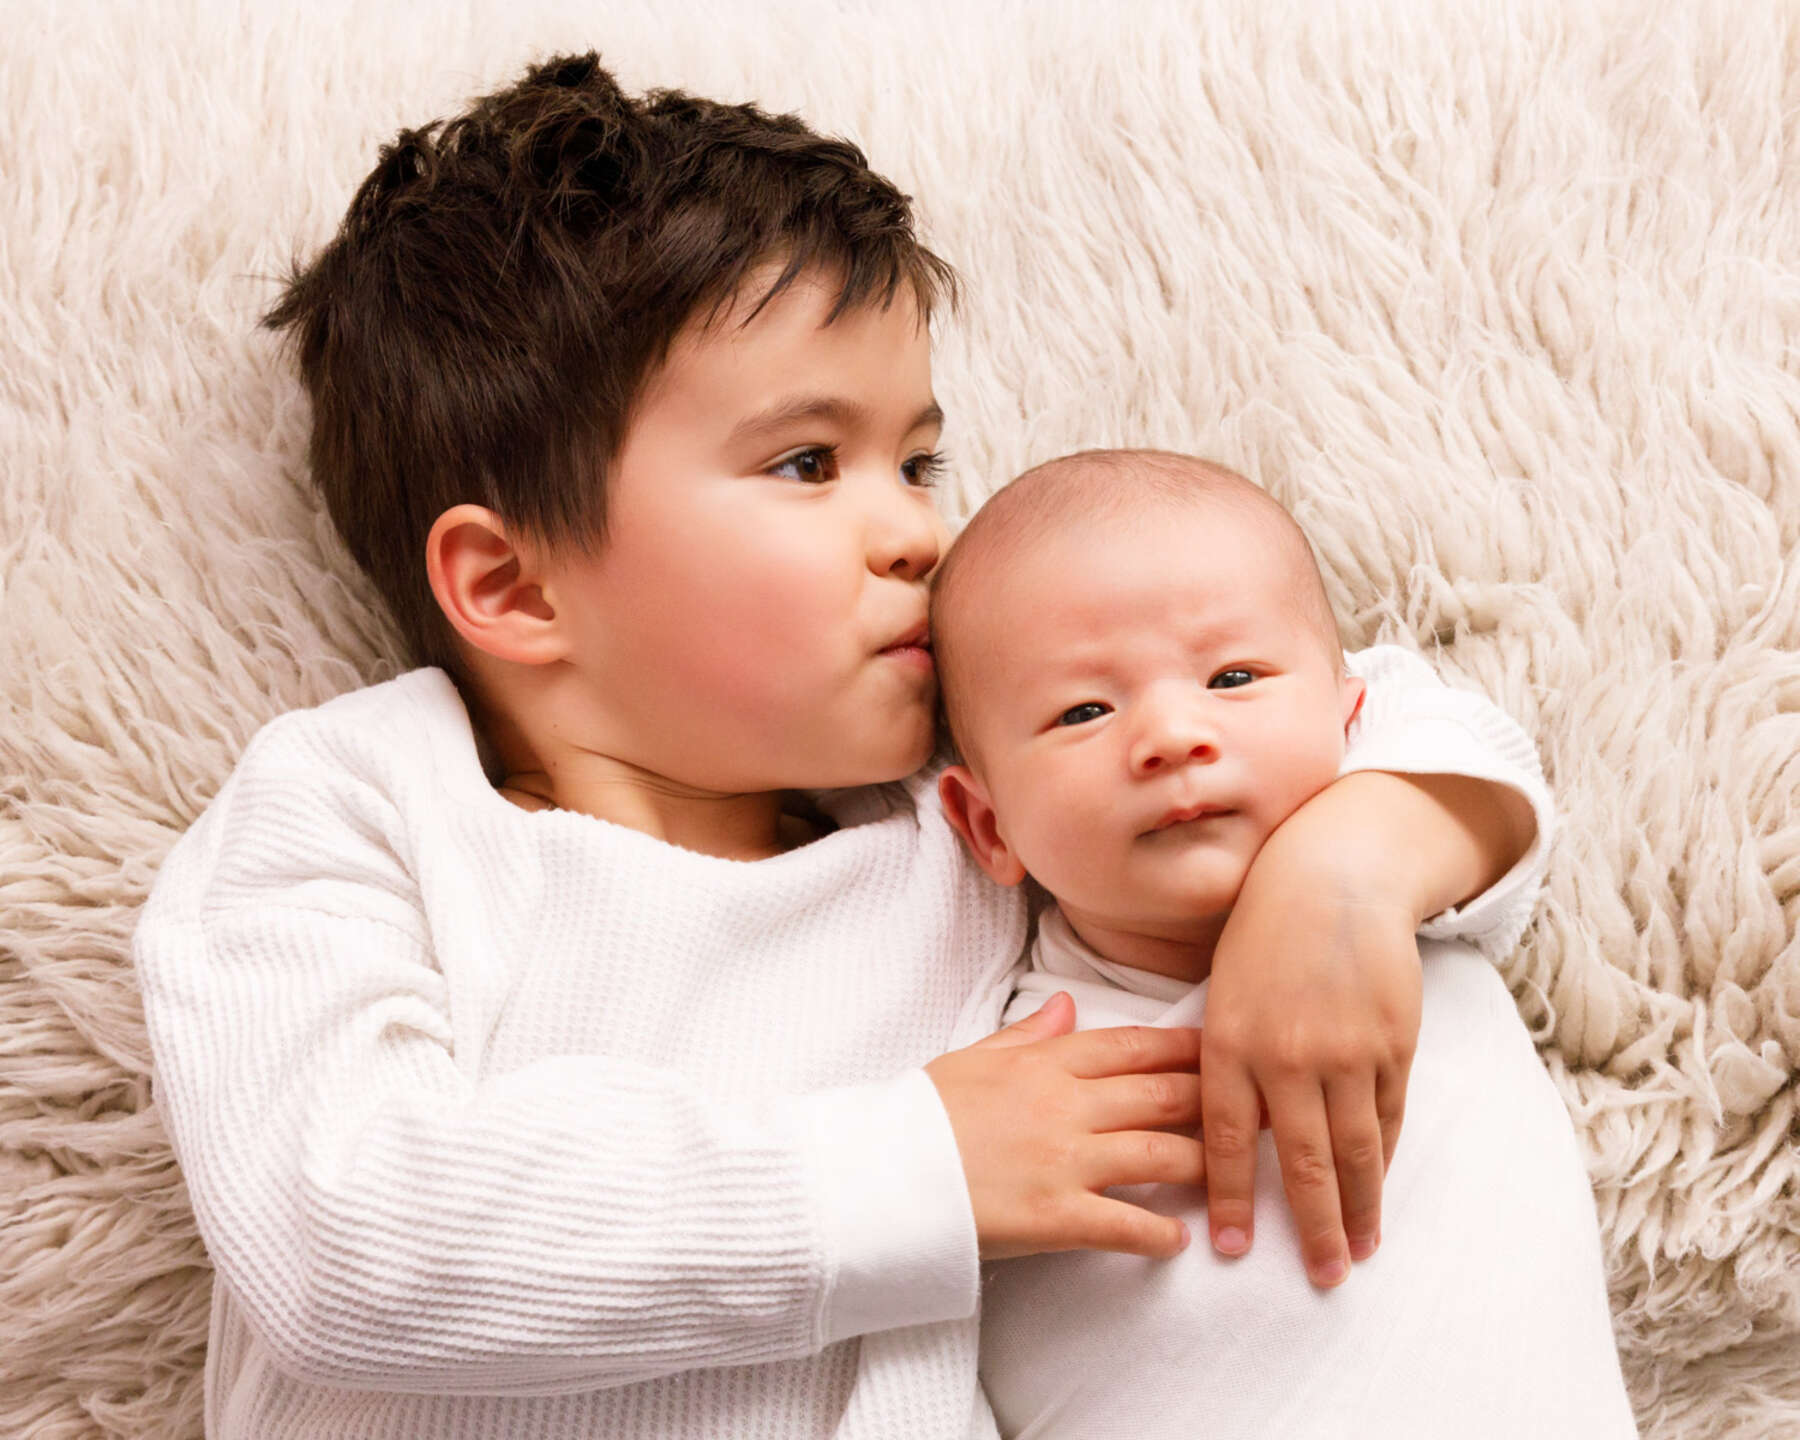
(1314, 1008)
(1045, 1120)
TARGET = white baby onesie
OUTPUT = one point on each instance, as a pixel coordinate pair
(1483, 1316)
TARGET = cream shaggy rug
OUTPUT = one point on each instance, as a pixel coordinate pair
(1502, 299)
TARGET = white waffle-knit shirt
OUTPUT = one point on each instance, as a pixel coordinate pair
(507, 1123)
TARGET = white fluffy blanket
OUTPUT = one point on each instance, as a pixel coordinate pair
(1503, 299)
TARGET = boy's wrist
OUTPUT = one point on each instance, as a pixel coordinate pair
(898, 1228)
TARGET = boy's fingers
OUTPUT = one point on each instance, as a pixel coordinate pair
(1144, 1157)
(1309, 1176)
(1056, 1016)
(1390, 1107)
(1170, 1100)
(1108, 1224)
(1230, 1107)
(1129, 1050)
(1357, 1150)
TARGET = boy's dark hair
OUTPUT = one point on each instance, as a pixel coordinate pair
(504, 284)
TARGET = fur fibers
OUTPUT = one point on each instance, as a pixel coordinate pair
(1503, 299)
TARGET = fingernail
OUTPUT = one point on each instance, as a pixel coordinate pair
(1362, 1249)
(1231, 1241)
(1187, 1235)
(1331, 1272)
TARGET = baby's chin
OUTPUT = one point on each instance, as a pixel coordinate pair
(1199, 906)
(1153, 907)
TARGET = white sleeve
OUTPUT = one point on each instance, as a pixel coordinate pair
(388, 1220)
(1411, 722)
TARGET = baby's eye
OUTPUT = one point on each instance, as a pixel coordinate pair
(923, 470)
(1081, 714)
(813, 466)
(1230, 679)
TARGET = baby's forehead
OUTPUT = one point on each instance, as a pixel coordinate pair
(1129, 513)
(1121, 545)
(1061, 594)
(1058, 591)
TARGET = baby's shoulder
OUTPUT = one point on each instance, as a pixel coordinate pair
(1391, 665)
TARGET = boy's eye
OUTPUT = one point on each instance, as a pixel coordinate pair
(923, 470)
(813, 465)
(1230, 679)
(1081, 714)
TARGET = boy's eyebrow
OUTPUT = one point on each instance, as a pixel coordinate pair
(834, 408)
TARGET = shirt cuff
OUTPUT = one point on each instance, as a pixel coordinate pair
(1494, 920)
(898, 1227)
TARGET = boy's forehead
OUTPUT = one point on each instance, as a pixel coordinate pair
(842, 411)
(767, 296)
(788, 350)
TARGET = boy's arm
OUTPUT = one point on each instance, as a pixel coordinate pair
(578, 1223)
(387, 1222)
(388, 1218)
(1314, 1005)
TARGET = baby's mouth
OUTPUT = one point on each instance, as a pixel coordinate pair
(1187, 814)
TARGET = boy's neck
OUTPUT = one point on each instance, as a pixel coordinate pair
(732, 827)
(1180, 952)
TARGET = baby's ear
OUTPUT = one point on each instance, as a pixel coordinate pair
(1351, 692)
(966, 803)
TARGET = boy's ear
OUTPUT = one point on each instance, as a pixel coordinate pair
(1351, 693)
(966, 803)
(489, 589)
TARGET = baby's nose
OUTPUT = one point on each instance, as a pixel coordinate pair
(1174, 732)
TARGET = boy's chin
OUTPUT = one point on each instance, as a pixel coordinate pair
(897, 763)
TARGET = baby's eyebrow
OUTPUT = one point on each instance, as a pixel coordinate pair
(834, 408)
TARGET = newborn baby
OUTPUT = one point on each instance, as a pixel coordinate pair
(1142, 674)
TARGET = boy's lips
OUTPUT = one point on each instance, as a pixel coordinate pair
(919, 635)
(914, 646)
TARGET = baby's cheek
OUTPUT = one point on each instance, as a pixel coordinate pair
(1314, 755)
(1080, 848)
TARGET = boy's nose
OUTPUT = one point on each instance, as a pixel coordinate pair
(1173, 731)
(906, 538)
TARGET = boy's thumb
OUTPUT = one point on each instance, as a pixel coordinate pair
(1056, 1016)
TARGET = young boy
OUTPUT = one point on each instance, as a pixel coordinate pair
(537, 1066)
(1142, 670)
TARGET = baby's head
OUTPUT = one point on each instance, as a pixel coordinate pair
(624, 404)
(1142, 674)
